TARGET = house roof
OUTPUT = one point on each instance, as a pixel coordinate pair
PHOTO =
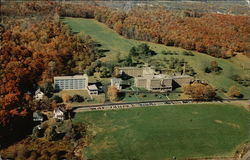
(92, 87)
(60, 109)
(38, 91)
(37, 114)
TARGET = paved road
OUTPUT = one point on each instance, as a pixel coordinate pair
(146, 104)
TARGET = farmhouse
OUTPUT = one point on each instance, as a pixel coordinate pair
(71, 82)
(59, 113)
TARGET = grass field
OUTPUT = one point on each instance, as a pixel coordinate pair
(159, 133)
(95, 99)
(119, 45)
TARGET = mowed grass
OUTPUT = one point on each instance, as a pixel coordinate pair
(94, 99)
(159, 133)
(119, 45)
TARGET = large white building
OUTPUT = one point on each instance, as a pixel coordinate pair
(71, 82)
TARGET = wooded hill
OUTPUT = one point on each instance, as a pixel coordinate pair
(35, 47)
(214, 34)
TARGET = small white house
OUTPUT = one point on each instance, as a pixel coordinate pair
(92, 89)
(116, 82)
(59, 113)
(38, 94)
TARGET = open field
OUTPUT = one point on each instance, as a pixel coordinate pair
(158, 133)
(119, 45)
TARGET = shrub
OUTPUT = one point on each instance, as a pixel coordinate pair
(50, 133)
(234, 92)
(187, 53)
(207, 70)
(77, 98)
(37, 133)
(57, 99)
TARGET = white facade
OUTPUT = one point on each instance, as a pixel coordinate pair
(116, 82)
(38, 95)
(71, 82)
(58, 114)
(93, 90)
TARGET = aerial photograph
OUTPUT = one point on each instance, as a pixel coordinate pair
(125, 80)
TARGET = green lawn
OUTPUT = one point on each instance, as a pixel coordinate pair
(147, 97)
(159, 133)
(119, 45)
(95, 99)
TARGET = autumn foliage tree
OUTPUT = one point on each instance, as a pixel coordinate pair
(66, 98)
(191, 30)
(199, 91)
(33, 50)
(234, 92)
(113, 93)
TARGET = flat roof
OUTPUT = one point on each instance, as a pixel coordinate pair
(92, 87)
(71, 77)
(182, 76)
(116, 79)
(159, 76)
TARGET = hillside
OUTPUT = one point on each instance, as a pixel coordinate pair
(118, 45)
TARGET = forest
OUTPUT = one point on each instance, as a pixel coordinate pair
(35, 46)
(217, 35)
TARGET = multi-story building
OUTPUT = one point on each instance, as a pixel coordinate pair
(71, 82)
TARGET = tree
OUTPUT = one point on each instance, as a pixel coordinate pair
(50, 133)
(133, 52)
(234, 92)
(57, 99)
(113, 93)
(65, 98)
(37, 133)
(199, 91)
(48, 89)
(214, 66)
(207, 70)
(77, 98)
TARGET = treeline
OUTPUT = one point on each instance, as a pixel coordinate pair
(214, 34)
(34, 49)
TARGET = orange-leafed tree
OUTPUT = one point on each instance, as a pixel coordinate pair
(66, 98)
(113, 93)
(234, 92)
(199, 91)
